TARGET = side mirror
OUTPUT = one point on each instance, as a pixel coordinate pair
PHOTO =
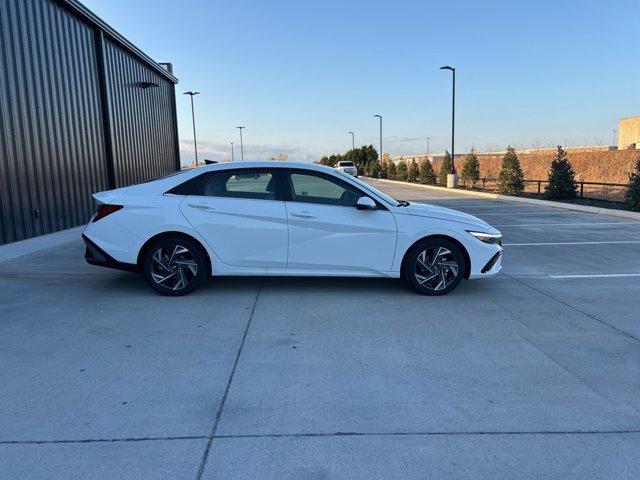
(366, 203)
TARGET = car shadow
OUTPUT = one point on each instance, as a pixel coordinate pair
(134, 284)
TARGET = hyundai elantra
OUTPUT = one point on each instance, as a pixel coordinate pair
(286, 219)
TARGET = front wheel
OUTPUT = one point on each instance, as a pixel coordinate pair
(175, 266)
(434, 267)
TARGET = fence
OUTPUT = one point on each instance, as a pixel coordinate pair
(592, 190)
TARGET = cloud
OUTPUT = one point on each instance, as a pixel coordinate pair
(300, 153)
(222, 151)
(403, 140)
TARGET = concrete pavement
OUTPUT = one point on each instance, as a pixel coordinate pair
(532, 374)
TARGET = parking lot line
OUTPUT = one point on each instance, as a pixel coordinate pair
(465, 205)
(610, 242)
(511, 207)
(589, 224)
(533, 213)
(595, 275)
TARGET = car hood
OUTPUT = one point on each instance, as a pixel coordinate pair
(442, 213)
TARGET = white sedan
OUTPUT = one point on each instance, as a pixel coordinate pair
(289, 219)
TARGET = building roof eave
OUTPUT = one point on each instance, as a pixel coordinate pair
(88, 16)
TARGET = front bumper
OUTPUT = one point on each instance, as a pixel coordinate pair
(495, 262)
(94, 255)
(491, 267)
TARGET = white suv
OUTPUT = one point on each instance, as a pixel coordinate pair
(347, 167)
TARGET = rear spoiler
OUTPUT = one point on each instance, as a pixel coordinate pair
(103, 197)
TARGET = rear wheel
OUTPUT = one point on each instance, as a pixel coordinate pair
(175, 266)
(434, 267)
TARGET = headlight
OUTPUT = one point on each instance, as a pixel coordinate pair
(487, 237)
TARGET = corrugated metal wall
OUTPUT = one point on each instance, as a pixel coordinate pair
(144, 139)
(53, 149)
(50, 123)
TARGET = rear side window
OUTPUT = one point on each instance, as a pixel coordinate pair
(190, 187)
(254, 184)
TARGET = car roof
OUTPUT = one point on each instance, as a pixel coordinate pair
(162, 184)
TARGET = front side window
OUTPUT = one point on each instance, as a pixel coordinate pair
(369, 188)
(309, 188)
(254, 184)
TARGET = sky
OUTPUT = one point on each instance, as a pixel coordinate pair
(301, 74)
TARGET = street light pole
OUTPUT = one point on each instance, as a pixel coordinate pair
(614, 138)
(428, 139)
(241, 145)
(232, 158)
(454, 179)
(353, 140)
(193, 119)
(380, 117)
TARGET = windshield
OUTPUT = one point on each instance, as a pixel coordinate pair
(370, 189)
(345, 164)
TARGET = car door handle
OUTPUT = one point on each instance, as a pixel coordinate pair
(200, 206)
(302, 215)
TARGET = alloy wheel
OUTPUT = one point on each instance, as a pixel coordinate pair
(173, 267)
(436, 268)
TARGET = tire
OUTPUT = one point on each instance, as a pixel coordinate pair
(434, 267)
(175, 266)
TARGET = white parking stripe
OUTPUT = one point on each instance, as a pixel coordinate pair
(597, 275)
(458, 206)
(569, 243)
(511, 206)
(587, 224)
(528, 213)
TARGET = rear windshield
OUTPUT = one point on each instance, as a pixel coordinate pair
(345, 164)
(173, 174)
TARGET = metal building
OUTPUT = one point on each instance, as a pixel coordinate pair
(81, 110)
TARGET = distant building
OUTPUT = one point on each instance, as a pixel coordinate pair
(282, 157)
(629, 133)
(436, 158)
(433, 157)
(528, 151)
(408, 158)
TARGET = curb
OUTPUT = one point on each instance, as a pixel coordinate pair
(532, 201)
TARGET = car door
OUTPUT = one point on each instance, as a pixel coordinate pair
(327, 231)
(241, 215)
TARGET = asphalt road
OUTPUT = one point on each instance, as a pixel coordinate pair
(532, 374)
